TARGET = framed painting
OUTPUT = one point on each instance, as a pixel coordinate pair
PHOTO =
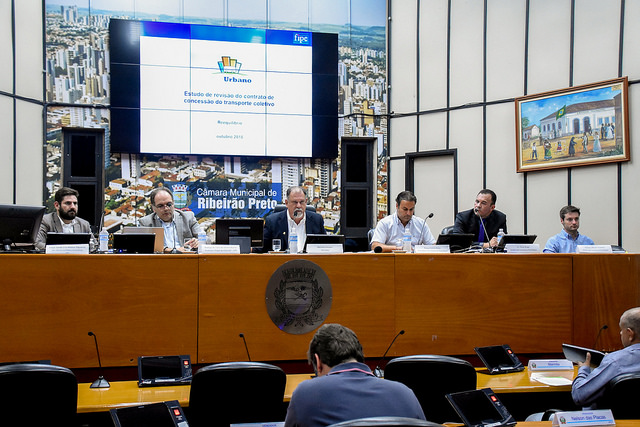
(578, 126)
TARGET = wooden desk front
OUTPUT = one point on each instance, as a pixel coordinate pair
(198, 304)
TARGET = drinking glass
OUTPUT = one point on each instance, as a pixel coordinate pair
(277, 245)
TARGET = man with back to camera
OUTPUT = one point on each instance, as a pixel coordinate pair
(295, 218)
(590, 383)
(178, 225)
(568, 239)
(390, 229)
(483, 221)
(64, 219)
(345, 388)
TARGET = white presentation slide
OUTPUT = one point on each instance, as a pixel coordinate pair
(225, 97)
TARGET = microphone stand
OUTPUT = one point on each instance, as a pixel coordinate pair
(491, 249)
(245, 346)
(101, 382)
(378, 372)
(421, 241)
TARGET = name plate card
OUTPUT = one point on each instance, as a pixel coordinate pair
(522, 248)
(593, 249)
(219, 249)
(325, 248)
(79, 249)
(550, 365)
(432, 249)
(602, 417)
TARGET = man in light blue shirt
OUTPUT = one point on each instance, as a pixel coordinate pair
(390, 229)
(591, 382)
(568, 239)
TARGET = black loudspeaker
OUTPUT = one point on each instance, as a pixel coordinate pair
(358, 191)
(83, 170)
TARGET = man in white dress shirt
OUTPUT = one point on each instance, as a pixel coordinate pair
(390, 229)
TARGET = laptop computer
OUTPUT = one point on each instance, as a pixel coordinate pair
(158, 231)
(68, 238)
(155, 371)
(162, 414)
(499, 359)
(480, 408)
(134, 243)
(456, 242)
(516, 238)
(579, 354)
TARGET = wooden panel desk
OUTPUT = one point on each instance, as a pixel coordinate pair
(135, 304)
(198, 304)
(449, 304)
(521, 382)
(232, 301)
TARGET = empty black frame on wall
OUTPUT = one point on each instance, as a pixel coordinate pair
(409, 167)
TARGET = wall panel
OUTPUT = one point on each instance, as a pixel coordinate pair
(631, 46)
(403, 132)
(29, 179)
(6, 148)
(549, 45)
(6, 47)
(396, 182)
(629, 182)
(466, 52)
(433, 54)
(433, 131)
(597, 31)
(599, 209)
(501, 163)
(29, 50)
(439, 199)
(505, 49)
(402, 95)
(547, 192)
(466, 135)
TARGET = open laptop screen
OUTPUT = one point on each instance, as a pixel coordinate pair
(479, 408)
(499, 359)
(163, 414)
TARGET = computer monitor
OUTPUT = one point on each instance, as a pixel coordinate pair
(516, 238)
(323, 239)
(246, 232)
(19, 224)
(68, 238)
(456, 242)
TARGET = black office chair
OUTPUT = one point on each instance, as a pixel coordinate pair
(38, 395)
(236, 392)
(448, 229)
(431, 377)
(621, 396)
(370, 236)
(280, 207)
(384, 422)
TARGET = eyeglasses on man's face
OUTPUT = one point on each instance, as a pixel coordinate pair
(166, 205)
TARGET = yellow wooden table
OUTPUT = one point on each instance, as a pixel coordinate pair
(127, 393)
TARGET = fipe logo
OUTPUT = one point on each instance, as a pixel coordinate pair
(301, 38)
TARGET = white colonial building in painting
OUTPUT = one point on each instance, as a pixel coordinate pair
(578, 118)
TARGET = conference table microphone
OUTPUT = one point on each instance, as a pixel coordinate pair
(421, 240)
(378, 372)
(100, 382)
(245, 346)
(491, 249)
(602, 328)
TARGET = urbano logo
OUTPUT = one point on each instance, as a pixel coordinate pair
(301, 38)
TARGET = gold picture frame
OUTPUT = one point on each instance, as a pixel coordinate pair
(578, 126)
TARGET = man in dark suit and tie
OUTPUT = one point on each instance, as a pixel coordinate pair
(295, 218)
(468, 222)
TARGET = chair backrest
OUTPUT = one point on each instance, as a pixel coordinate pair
(448, 229)
(38, 394)
(370, 236)
(236, 392)
(280, 207)
(384, 421)
(621, 396)
(431, 377)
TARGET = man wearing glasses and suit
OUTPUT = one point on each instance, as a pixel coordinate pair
(178, 225)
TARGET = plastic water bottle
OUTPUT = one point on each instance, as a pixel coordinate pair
(103, 238)
(500, 235)
(202, 240)
(406, 242)
(293, 242)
